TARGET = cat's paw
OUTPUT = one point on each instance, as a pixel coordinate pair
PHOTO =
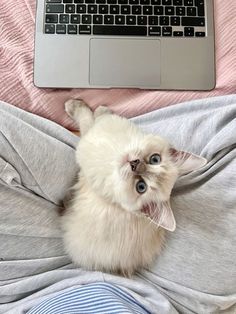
(101, 110)
(72, 105)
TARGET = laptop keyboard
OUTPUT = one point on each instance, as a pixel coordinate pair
(165, 18)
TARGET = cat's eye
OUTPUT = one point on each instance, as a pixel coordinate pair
(141, 186)
(155, 159)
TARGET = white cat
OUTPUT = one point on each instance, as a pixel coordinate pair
(116, 219)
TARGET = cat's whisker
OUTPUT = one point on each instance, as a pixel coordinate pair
(151, 221)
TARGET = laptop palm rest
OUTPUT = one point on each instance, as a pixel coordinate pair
(125, 62)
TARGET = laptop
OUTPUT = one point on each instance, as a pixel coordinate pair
(146, 44)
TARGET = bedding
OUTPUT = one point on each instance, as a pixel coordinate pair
(16, 69)
(194, 273)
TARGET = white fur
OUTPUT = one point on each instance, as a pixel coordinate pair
(104, 228)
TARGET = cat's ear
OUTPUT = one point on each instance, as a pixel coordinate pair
(167, 219)
(161, 215)
(186, 162)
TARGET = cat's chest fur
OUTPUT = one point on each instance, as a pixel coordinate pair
(101, 235)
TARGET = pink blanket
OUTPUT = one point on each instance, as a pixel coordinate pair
(16, 69)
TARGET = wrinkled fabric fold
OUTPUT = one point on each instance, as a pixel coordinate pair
(194, 273)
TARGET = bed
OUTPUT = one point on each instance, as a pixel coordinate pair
(16, 68)
(33, 264)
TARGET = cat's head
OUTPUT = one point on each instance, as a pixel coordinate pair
(147, 175)
(138, 174)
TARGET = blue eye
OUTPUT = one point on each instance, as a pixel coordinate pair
(155, 159)
(141, 186)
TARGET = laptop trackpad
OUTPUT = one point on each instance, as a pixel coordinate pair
(125, 62)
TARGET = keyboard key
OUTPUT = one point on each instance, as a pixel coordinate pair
(49, 29)
(70, 8)
(92, 8)
(175, 20)
(114, 9)
(178, 34)
(189, 31)
(156, 2)
(108, 19)
(200, 5)
(122, 1)
(103, 9)
(153, 20)
(154, 31)
(177, 2)
(166, 2)
(164, 20)
(133, 1)
(145, 2)
(64, 18)
(89, 1)
(180, 11)
(78, 1)
(97, 19)
(136, 9)
(147, 10)
(191, 11)
(75, 19)
(81, 8)
(131, 20)
(119, 19)
(72, 29)
(110, 1)
(61, 29)
(120, 30)
(166, 31)
(67, 1)
(55, 8)
(53, 1)
(158, 10)
(193, 21)
(169, 10)
(188, 2)
(125, 9)
(86, 19)
(85, 29)
(200, 34)
(142, 20)
(51, 18)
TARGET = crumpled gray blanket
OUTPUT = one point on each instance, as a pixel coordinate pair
(196, 272)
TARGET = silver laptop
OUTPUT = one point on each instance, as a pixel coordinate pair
(147, 44)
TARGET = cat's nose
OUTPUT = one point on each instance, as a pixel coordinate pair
(134, 164)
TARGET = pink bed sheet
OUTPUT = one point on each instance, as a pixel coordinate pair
(16, 69)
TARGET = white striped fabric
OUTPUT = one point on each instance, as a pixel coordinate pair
(97, 298)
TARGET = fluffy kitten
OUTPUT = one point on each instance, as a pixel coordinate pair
(116, 219)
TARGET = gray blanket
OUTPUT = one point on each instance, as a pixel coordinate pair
(196, 272)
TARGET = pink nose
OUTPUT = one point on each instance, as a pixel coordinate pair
(134, 164)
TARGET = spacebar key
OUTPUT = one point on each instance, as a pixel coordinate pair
(120, 30)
